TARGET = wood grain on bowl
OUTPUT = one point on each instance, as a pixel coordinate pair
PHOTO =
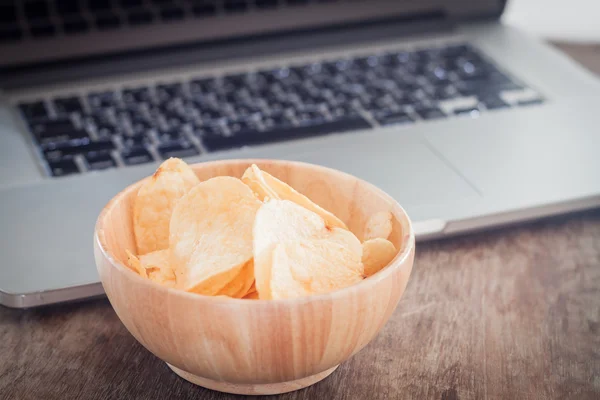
(233, 345)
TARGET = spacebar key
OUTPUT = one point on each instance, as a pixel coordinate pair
(275, 134)
(77, 146)
(337, 126)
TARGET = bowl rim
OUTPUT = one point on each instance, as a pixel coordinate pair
(397, 262)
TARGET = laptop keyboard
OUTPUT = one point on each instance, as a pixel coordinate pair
(137, 125)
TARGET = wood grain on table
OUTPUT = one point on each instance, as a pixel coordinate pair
(507, 314)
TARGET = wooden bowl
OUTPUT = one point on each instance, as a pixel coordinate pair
(258, 346)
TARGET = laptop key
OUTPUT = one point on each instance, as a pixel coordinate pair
(76, 25)
(393, 118)
(8, 12)
(494, 103)
(99, 160)
(530, 102)
(10, 32)
(456, 50)
(35, 9)
(136, 95)
(445, 93)
(342, 110)
(59, 137)
(99, 118)
(68, 7)
(484, 87)
(170, 135)
(266, 3)
(96, 5)
(174, 121)
(203, 10)
(34, 110)
(134, 140)
(108, 21)
(205, 130)
(177, 148)
(430, 112)
(76, 146)
(276, 134)
(310, 117)
(43, 29)
(48, 131)
(66, 105)
(166, 92)
(172, 13)
(136, 155)
(216, 140)
(140, 126)
(473, 112)
(63, 167)
(131, 3)
(102, 99)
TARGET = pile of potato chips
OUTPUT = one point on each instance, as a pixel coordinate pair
(251, 238)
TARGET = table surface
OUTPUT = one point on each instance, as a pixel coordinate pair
(507, 314)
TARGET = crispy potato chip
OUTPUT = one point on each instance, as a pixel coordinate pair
(315, 266)
(211, 234)
(279, 222)
(267, 186)
(325, 265)
(377, 253)
(241, 284)
(252, 292)
(282, 220)
(251, 296)
(134, 263)
(282, 284)
(378, 226)
(155, 201)
(211, 285)
(158, 268)
(262, 272)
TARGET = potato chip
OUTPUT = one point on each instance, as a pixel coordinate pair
(267, 186)
(283, 220)
(134, 263)
(315, 266)
(377, 253)
(211, 234)
(155, 201)
(158, 268)
(251, 296)
(241, 284)
(262, 272)
(279, 222)
(378, 226)
(282, 284)
(324, 265)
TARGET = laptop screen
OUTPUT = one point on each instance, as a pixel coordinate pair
(33, 31)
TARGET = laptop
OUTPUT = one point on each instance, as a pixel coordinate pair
(468, 123)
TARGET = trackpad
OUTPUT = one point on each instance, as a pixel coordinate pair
(527, 156)
(398, 163)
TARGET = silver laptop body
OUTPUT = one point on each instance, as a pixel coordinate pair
(468, 123)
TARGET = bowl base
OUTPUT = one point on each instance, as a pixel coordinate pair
(253, 389)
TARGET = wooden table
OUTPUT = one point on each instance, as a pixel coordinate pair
(509, 314)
